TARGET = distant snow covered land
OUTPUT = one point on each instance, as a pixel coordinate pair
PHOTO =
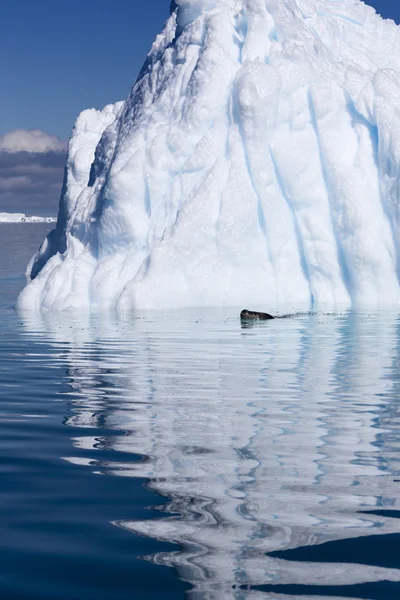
(22, 218)
(255, 162)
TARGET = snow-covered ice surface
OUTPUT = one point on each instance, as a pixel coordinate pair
(255, 162)
(23, 218)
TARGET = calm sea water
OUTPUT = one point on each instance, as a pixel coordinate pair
(181, 455)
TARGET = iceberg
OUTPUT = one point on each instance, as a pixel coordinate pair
(255, 163)
(23, 218)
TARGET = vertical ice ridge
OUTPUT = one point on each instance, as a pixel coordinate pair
(299, 238)
(259, 210)
(258, 88)
(386, 86)
(339, 247)
(383, 195)
(352, 176)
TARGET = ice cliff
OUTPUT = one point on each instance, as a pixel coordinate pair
(256, 161)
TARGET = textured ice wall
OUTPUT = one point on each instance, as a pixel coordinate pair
(255, 162)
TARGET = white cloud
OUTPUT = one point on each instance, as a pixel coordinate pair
(30, 140)
(31, 171)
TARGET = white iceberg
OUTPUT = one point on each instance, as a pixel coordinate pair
(23, 218)
(255, 161)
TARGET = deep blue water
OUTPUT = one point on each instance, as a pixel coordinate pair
(180, 455)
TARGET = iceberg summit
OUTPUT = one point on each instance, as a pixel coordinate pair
(256, 162)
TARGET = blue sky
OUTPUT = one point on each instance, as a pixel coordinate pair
(58, 58)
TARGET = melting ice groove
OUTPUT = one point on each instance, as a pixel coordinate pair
(256, 159)
(261, 441)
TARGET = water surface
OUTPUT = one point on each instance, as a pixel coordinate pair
(182, 455)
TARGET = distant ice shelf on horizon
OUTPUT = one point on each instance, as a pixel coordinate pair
(23, 218)
(255, 163)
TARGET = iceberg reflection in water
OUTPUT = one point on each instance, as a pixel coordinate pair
(264, 438)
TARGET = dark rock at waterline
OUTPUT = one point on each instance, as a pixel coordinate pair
(250, 315)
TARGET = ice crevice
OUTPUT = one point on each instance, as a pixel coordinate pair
(237, 119)
(302, 253)
(255, 162)
(342, 273)
(374, 135)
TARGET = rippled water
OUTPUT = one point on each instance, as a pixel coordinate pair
(258, 462)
